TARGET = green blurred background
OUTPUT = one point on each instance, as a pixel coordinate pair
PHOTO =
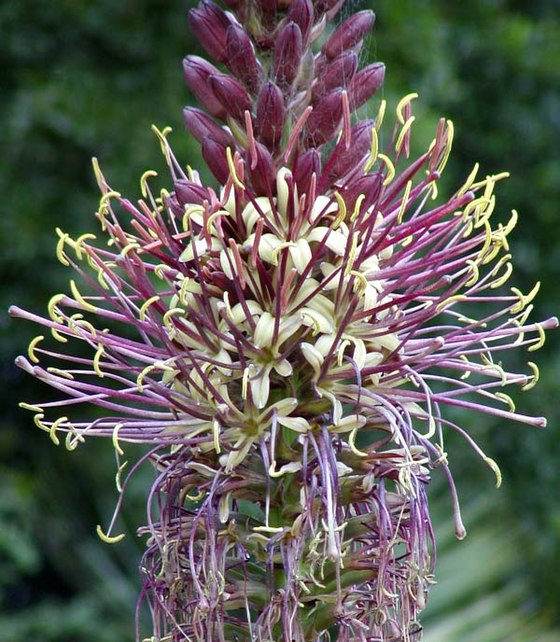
(82, 79)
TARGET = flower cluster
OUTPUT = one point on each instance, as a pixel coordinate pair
(287, 344)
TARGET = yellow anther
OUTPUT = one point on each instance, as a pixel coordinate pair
(380, 114)
(508, 227)
(169, 314)
(115, 438)
(448, 146)
(524, 300)
(133, 245)
(404, 102)
(357, 206)
(31, 407)
(467, 373)
(492, 180)
(63, 237)
(486, 245)
(341, 206)
(216, 435)
(505, 276)
(450, 301)
(361, 282)
(54, 428)
(405, 129)
(351, 255)
(183, 291)
(352, 444)
(146, 305)
(79, 298)
(101, 182)
(38, 421)
(495, 469)
(233, 173)
(73, 439)
(159, 271)
(493, 253)
(150, 173)
(502, 396)
(140, 378)
(540, 342)
(118, 476)
(374, 150)
(31, 349)
(60, 373)
(189, 212)
(53, 302)
(404, 202)
(108, 539)
(216, 215)
(407, 240)
(105, 199)
(474, 273)
(162, 137)
(390, 168)
(96, 359)
(534, 379)
(470, 180)
(59, 337)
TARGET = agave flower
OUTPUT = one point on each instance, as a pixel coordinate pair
(287, 344)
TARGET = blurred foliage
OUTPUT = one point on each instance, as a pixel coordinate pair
(83, 79)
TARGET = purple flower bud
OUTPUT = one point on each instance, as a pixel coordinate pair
(262, 174)
(305, 166)
(241, 59)
(201, 126)
(301, 12)
(369, 185)
(210, 25)
(338, 73)
(187, 192)
(344, 160)
(287, 54)
(324, 120)
(214, 153)
(270, 114)
(349, 34)
(365, 83)
(231, 94)
(197, 71)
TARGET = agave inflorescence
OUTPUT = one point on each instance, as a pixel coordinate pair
(286, 343)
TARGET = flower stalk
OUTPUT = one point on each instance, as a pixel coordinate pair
(288, 344)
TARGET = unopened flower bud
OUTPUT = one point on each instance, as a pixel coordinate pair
(214, 153)
(287, 54)
(197, 71)
(338, 73)
(189, 193)
(270, 114)
(301, 12)
(365, 83)
(369, 185)
(210, 25)
(325, 119)
(306, 165)
(241, 59)
(201, 126)
(349, 34)
(262, 173)
(346, 159)
(231, 94)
